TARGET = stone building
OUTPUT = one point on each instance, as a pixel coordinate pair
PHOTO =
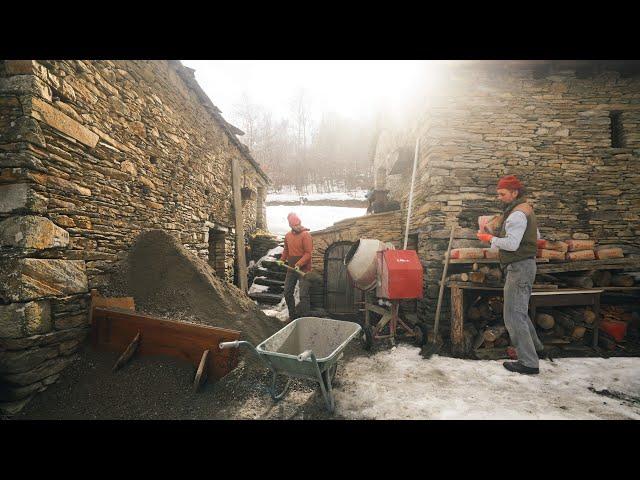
(569, 129)
(91, 154)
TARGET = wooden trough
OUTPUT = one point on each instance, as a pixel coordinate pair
(129, 332)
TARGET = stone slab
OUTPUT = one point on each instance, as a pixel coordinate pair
(18, 320)
(60, 121)
(31, 278)
(31, 231)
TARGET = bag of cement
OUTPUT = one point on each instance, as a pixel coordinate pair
(581, 255)
(550, 254)
(577, 245)
(462, 253)
(549, 245)
(605, 253)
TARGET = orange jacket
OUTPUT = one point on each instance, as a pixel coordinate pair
(298, 245)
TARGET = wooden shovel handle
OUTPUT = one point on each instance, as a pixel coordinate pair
(442, 280)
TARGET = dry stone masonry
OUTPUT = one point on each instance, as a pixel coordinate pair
(570, 133)
(92, 153)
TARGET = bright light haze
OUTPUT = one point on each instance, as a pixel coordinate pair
(352, 88)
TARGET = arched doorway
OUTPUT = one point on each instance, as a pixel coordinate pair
(339, 294)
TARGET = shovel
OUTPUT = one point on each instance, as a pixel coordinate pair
(434, 346)
(311, 276)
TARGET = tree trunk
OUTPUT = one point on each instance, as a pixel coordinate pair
(580, 282)
(459, 277)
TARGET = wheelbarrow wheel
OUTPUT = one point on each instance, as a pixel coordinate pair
(367, 337)
(421, 334)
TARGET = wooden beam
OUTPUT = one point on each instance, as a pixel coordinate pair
(113, 329)
(611, 264)
(457, 320)
(237, 208)
(128, 353)
(201, 373)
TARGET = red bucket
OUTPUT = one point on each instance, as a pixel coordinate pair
(615, 328)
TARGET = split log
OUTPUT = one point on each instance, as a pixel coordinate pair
(581, 255)
(549, 278)
(622, 281)
(459, 277)
(567, 323)
(582, 315)
(545, 321)
(485, 311)
(558, 330)
(491, 334)
(501, 342)
(578, 332)
(477, 277)
(473, 313)
(579, 245)
(492, 274)
(605, 253)
(601, 278)
(488, 344)
(580, 282)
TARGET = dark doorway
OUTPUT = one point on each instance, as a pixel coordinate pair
(340, 295)
(217, 251)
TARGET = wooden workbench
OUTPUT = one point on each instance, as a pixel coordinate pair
(539, 298)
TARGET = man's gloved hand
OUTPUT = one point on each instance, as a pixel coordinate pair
(484, 237)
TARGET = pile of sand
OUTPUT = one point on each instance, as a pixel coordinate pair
(167, 280)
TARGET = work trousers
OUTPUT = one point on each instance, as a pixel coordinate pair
(290, 287)
(517, 291)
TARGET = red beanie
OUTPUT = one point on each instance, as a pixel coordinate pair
(510, 182)
(293, 219)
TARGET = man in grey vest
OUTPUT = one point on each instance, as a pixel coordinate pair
(516, 241)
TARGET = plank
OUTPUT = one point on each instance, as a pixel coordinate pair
(98, 300)
(457, 321)
(113, 329)
(237, 209)
(611, 263)
(487, 260)
(201, 373)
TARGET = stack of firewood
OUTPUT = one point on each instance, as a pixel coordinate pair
(485, 325)
(567, 324)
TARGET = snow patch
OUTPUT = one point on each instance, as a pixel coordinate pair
(313, 217)
(400, 384)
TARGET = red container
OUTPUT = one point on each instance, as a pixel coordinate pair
(615, 328)
(399, 275)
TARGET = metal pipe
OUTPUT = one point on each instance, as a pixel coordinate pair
(413, 177)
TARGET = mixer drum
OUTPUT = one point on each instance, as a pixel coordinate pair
(362, 262)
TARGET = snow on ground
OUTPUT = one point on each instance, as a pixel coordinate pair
(400, 384)
(289, 196)
(312, 216)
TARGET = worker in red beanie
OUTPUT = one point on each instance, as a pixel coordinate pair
(298, 247)
(517, 244)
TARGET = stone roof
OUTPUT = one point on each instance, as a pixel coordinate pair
(188, 76)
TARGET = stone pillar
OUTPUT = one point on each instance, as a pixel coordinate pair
(43, 301)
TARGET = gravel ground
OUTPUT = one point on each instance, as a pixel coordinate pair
(159, 388)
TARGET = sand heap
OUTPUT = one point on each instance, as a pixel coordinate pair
(167, 280)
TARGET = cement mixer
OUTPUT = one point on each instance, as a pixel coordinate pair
(379, 270)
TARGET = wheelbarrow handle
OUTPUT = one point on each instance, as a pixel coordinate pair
(305, 355)
(225, 345)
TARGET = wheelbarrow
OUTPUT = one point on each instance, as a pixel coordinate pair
(308, 347)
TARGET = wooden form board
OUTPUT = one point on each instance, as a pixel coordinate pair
(608, 264)
(98, 300)
(454, 261)
(113, 329)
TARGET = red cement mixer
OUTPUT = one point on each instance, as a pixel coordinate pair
(394, 275)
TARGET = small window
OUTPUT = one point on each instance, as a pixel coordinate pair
(617, 130)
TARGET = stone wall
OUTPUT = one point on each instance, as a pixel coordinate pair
(551, 128)
(91, 154)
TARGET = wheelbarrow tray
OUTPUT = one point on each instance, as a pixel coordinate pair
(326, 337)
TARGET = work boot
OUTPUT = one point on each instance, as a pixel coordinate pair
(520, 368)
(542, 355)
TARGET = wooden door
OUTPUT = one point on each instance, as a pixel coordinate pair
(339, 293)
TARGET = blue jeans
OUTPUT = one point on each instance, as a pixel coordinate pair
(517, 291)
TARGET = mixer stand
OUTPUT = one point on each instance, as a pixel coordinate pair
(389, 316)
